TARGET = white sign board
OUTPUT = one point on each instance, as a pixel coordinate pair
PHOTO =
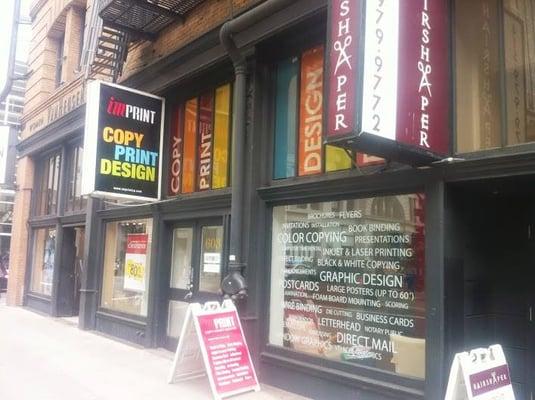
(482, 374)
(212, 340)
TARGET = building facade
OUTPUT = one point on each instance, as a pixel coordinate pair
(364, 276)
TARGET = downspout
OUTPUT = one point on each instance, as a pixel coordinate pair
(234, 285)
(12, 51)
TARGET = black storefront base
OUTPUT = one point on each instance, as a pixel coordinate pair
(120, 327)
(38, 303)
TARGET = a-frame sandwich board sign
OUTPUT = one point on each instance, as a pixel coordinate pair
(212, 342)
(482, 374)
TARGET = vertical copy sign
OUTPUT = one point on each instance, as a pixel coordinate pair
(135, 262)
(224, 349)
(122, 142)
(402, 68)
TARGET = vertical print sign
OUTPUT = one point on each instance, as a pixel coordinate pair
(222, 344)
(403, 69)
(135, 262)
(122, 142)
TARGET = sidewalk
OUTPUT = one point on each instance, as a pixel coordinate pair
(42, 358)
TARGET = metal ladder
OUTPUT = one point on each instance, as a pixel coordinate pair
(105, 48)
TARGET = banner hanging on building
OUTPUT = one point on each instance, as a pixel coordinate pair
(122, 142)
(135, 262)
(388, 78)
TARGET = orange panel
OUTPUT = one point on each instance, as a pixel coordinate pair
(190, 146)
(310, 112)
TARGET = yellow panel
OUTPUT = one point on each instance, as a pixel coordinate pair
(221, 137)
(336, 159)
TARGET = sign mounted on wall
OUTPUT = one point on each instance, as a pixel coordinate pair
(482, 374)
(212, 335)
(388, 77)
(122, 142)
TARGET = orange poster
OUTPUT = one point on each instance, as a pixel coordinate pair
(310, 112)
(190, 146)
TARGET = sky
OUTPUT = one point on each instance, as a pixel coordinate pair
(6, 16)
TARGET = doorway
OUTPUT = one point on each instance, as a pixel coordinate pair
(196, 254)
(491, 233)
(70, 272)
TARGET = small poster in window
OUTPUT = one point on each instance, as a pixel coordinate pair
(135, 261)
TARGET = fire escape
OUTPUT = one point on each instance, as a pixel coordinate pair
(115, 24)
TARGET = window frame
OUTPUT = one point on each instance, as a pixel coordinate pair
(42, 165)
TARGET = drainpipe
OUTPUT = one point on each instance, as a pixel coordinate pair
(12, 51)
(234, 285)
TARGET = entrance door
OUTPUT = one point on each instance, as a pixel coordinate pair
(72, 251)
(493, 233)
(195, 271)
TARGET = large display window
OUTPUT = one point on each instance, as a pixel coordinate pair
(125, 282)
(44, 250)
(347, 281)
(495, 78)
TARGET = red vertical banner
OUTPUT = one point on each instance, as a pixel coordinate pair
(310, 112)
(423, 84)
(205, 144)
(176, 150)
(344, 31)
(190, 146)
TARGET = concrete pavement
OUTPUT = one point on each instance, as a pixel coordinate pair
(43, 358)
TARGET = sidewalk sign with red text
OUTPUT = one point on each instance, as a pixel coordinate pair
(212, 342)
(482, 374)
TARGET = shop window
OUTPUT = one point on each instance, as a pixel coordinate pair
(125, 281)
(298, 136)
(348, 282)
(44, 249)
(495, 78)
(48, 182)
(75, 200)
(60, 43)
(200, 143)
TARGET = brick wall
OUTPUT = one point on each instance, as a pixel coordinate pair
(207, 16)
(19, 232)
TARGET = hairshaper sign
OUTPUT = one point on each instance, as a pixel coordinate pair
(122, 142)
(388, 78)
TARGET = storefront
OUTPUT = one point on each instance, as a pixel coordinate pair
(364, 275)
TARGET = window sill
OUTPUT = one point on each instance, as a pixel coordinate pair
(355, 376)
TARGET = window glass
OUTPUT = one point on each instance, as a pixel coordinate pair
(200, 143)
(181, 263)
(211, 256)
(48, 185)
(495, 95)
(348, 281)
(298, 136)
(75, 200)
(44, 250)
(125, 284)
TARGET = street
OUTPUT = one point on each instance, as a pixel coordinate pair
(43, 358)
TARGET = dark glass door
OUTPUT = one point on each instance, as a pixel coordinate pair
(195, 271)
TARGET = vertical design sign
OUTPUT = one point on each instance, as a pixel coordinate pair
(206, 128)
(404, 75)
(177, 144)
(311, 112)
(135, 262)
(343, 66)
(122, 142)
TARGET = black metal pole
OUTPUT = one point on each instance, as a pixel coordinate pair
(12, 51)
(234, 285)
